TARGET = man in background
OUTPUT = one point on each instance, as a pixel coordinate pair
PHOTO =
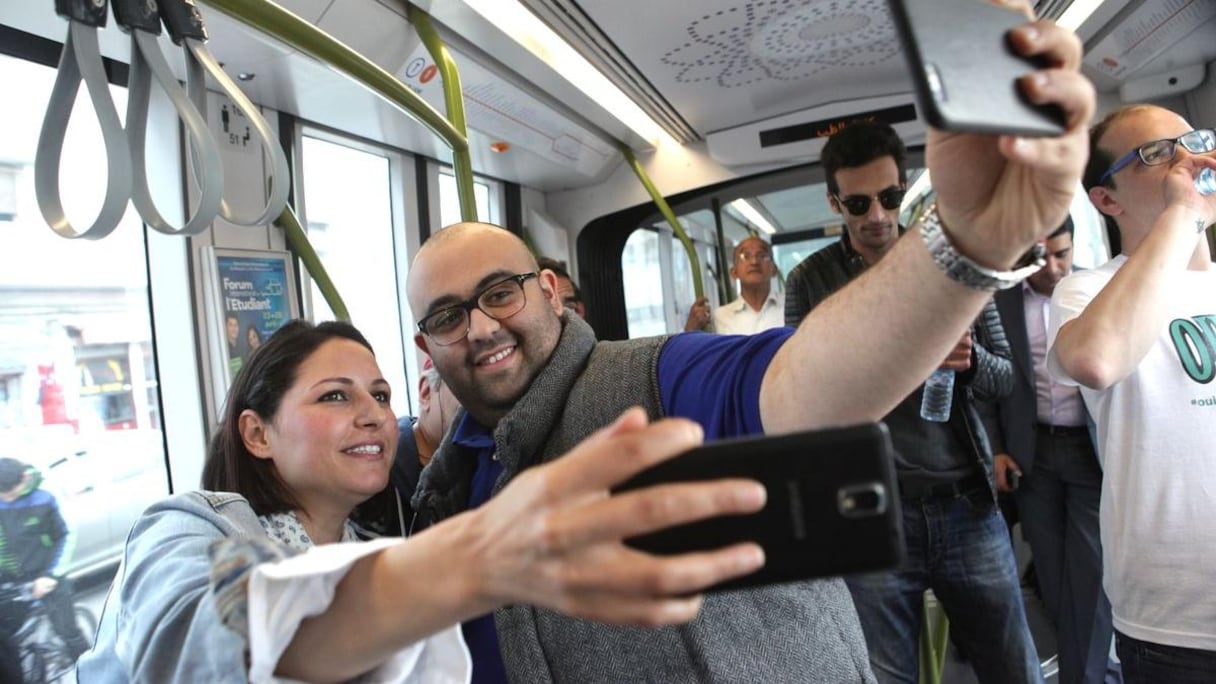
(954, 534)
(758, 307)
(1137, 334)
(567, 289)
(1042, 442)
(868, 154)
(34, 549)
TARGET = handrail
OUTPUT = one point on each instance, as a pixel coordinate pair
(279, 23)
(665, 209)
(284, 25)
(453, 98)
(298, 239)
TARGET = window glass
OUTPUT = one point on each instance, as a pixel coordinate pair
(347, 199)
(643, 278)
(449, 200)
(79, 396)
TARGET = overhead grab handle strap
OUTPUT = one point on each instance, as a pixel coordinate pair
(81, 60)
(185, 26)
(140, 19)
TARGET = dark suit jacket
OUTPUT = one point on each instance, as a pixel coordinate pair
(1018, 412)
(1014, 431)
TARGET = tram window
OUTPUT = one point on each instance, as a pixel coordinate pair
(449, 200)
(350, 221)
(643, 280)
(787, 255)
(80, 399)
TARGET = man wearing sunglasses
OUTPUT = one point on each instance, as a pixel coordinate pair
(944, 468)
(1138, 334)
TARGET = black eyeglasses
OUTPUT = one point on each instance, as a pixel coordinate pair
(498, 300)
(1199, 141)
(858, 205)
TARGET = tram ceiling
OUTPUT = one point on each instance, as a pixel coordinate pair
(719, 71)
(717, 67)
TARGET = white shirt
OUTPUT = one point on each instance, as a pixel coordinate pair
(1056, 403)
(1157, 442)
(283, 594)
(739, 318)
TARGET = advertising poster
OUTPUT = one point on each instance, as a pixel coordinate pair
(253, 295)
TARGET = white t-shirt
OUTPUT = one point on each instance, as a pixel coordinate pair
(739, 318)
(1157, 443)
(282, 594)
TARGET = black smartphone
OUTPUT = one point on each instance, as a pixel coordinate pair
(965, 71)
(832, 508)
(1014, 478)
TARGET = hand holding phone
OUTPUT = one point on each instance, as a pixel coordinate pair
(832, 507)
(964, 70)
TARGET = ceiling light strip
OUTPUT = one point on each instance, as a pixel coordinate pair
(536, 37)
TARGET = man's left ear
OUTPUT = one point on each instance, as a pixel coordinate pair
(1102, 199)
(548, 285)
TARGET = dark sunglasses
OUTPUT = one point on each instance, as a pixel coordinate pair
(858, 205)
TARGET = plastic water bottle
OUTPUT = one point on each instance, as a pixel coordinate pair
(938, 395)
(1206, 182)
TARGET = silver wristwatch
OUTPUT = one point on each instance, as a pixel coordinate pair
(965, 271)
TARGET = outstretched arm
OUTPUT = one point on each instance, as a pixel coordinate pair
(552, 538)
(866, 347)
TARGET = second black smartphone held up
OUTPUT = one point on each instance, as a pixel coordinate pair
(964, 70)
(832, 509)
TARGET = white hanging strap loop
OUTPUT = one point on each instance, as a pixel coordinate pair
(185, 26)
(81, 59)
(140, 18)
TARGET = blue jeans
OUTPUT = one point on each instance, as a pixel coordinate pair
(958, 547)
(1145, 662)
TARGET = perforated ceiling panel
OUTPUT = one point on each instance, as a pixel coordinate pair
(727, 63)
(785, 40)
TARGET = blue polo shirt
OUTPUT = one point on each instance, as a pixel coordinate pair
(715, 379)
(712, 379)
(479, 633)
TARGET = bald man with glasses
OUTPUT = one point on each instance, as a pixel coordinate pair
(1138, 335)
(759, 306)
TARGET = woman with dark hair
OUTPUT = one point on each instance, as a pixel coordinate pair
(243, 581)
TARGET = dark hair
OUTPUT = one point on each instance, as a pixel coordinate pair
(259, 387)
(858, 144)
(559, 269)
(1101, 159)
(1065, 227)
(12, 472)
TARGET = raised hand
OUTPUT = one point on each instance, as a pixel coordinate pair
(998, 194)
(553, 538)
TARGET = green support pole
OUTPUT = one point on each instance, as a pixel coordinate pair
(665, 209)
(298, 239)
(453, 98)
(285, 26)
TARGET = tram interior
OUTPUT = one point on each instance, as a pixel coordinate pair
(108, 353)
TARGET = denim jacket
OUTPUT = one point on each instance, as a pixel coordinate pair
(160, 622)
